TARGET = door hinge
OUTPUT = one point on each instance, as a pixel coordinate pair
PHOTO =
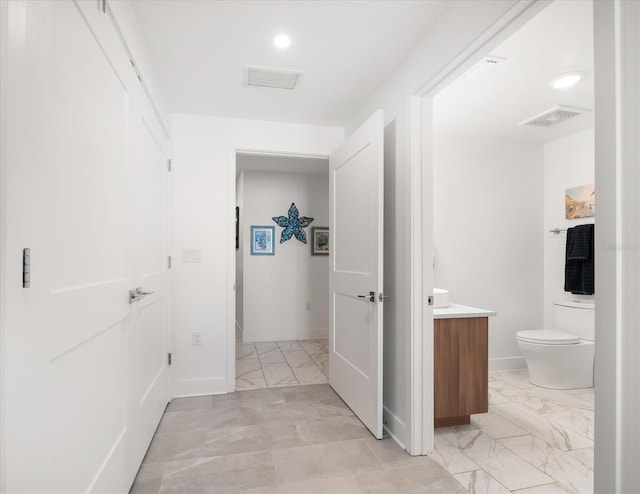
(169, 164)
(169, 358)
(169, 262)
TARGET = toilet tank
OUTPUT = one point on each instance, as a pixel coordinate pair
(575, 317)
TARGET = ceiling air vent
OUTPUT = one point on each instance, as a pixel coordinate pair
(272, 78)
(554, 116)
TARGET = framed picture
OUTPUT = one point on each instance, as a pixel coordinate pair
(320, 241)
(262, 240)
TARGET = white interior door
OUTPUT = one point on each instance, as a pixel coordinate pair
(149, 388)
(356, 225)
(85, 376)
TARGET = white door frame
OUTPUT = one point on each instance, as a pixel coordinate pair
(4, 34)
(231, 252)
(421, 172)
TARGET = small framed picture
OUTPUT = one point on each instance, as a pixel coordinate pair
(262, 241)
(320, 241)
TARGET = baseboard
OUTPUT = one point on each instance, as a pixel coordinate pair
(506, 363)
(313, 334)
(184, 388)
(394, 426)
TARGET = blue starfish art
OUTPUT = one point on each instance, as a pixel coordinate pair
(293, 225)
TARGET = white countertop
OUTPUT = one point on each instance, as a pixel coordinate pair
(457, 310)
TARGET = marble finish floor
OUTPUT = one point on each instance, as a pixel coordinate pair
(287, 440)
(305, 440)
(283, 363)
(532, 441)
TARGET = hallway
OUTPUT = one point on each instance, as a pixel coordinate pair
(285, 363)
(294, 440)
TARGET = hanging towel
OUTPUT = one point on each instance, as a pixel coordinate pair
(579, 260)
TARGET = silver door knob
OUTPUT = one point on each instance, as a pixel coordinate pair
(138, 294)
(371, 297)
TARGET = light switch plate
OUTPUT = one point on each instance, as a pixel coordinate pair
(191, 255)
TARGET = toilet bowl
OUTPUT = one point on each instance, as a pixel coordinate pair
(562, 358)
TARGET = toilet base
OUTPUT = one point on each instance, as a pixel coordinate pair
(560, 366)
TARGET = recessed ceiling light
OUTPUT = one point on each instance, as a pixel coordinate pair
(282, 41)
(567, 80)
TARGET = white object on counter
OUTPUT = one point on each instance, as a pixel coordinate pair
(457, 310)
(440, 298)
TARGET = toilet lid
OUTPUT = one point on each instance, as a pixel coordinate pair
(547, 337)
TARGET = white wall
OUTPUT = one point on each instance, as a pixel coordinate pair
(286, 296)
(464, 24)
(204, 218)
(568, 162)
(487, 233)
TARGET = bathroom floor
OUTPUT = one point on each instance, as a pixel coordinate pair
(283, 363)
(533, 440)
(304, 439)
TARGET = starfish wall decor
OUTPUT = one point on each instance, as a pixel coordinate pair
(293, 225)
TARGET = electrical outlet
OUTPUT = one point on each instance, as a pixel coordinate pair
(196, 338)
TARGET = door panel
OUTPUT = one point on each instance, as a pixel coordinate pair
(69, 346)
(356, 222)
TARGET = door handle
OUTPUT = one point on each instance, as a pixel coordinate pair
(138, 294)
(371, 297)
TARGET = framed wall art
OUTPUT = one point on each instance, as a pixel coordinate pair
(320, 241)
(262, 240)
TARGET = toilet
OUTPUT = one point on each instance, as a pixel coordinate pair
(562, 358)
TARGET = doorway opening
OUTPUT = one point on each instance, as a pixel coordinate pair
(282, 280)
(497, 188)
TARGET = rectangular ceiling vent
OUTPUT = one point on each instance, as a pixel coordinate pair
(288, 80)
(554, 116)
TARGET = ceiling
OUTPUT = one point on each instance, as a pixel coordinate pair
(557, 40)
(346, 49)
(281, 164)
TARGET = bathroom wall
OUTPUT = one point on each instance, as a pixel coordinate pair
(286, 296)
(488, 203)
(568, 162)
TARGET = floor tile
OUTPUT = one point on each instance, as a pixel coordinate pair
(340, 485)
(195, 403)
(480, 482)
(279, 374)
(553, 433)
(561, 467)
(577, 420)
(389, 453)
(251, 380)
(451, 458)
(556, 488)
(219, 474)
(269, 353)
(309, 375)
(149, 478)
(501, 463)
(332, 459)
(331, 429)
(299, 358)
(426, 477)
(496, 426)
(245, 350)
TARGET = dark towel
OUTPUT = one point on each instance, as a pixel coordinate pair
(579, 260)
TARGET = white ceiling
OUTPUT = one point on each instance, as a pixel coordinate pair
(558, 40)
(345, 48)
(281, 164)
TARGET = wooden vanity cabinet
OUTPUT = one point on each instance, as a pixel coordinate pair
(461, 366)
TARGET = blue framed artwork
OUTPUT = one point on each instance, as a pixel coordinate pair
(262, 240)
